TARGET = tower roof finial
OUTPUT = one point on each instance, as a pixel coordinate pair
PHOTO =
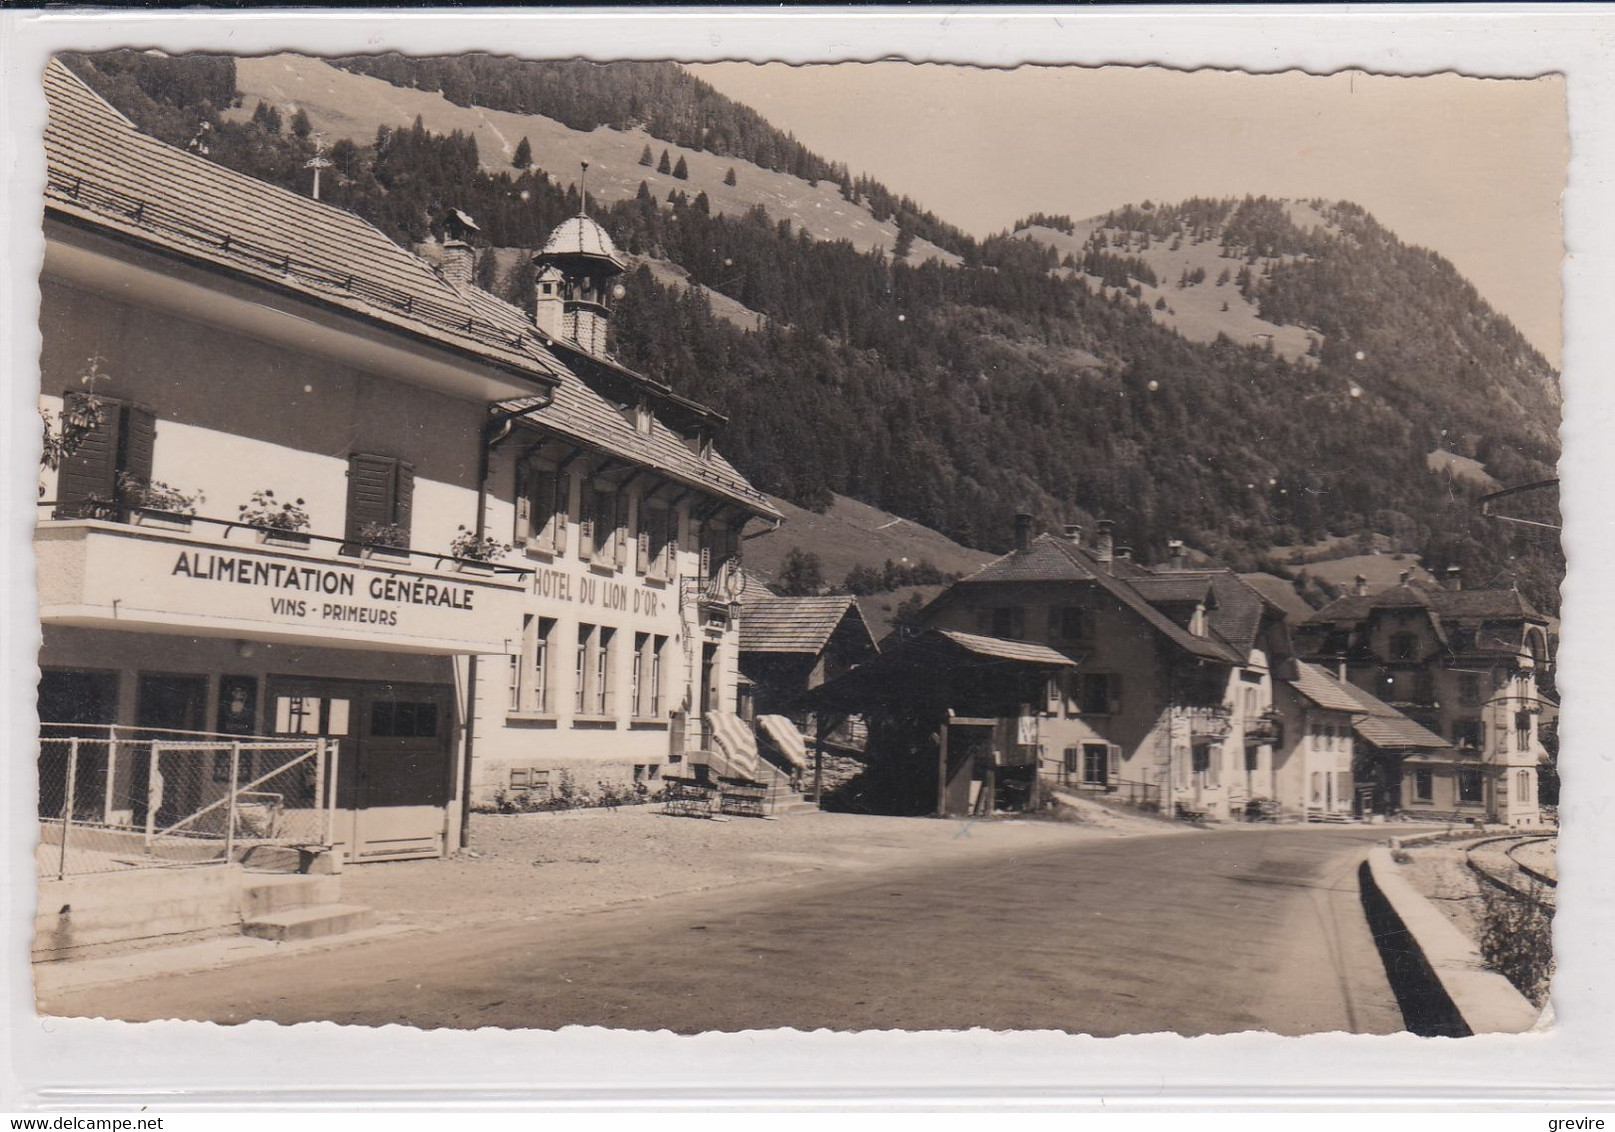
(585, 182)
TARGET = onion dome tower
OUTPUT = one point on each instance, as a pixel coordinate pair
(574, 288)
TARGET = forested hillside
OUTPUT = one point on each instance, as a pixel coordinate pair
(1026, 377)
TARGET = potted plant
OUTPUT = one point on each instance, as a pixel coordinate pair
(277, 523)
(475, 554)
(153, 503)
(389, 541)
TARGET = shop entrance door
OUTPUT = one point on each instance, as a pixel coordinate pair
(74, 703)
(168, 706)
(395, 766)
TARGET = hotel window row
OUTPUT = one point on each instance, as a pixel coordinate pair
(594, 673)
(611, 527)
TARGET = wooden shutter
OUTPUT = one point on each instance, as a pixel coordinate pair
(1115, 761)
(562, 509)
(646, 516)
(139, 443)
(372, 482)
(404, 496)
(92, 470)
(523, 499)
(619, 532)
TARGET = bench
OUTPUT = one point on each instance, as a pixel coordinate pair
(687, 797)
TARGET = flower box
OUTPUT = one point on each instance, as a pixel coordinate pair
(159, 520)
(475, 567)
(272, 537)
(395, 554)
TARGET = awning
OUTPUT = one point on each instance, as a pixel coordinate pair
(786, 737)
(735, 742)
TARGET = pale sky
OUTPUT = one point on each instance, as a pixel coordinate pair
(1471, 168)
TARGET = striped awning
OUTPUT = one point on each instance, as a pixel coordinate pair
(786, 737)
(735, 744)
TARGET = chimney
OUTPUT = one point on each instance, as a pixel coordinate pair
(1455, 579)
(1177, 554)
(549, 302)
(1073, 533)
(1124, 553)
(1403, 578)
(1105, 550)
(459, 257)
(1023, 531)
(1359, 586)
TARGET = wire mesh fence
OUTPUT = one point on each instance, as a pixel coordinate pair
(110, 801)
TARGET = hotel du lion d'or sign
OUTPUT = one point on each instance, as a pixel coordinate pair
(313, 484)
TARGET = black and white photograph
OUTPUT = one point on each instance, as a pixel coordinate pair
(526, 541)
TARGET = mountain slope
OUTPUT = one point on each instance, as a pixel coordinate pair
(1033, 374)
(342, 104)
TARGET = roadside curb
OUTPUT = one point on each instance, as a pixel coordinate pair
(1435, 971)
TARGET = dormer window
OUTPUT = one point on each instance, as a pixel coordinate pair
(546, 288)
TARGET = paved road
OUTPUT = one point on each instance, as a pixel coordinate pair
(1198, 933)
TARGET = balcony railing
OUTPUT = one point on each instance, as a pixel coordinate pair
(1266, 728)
(1209, 723)
(232, 530)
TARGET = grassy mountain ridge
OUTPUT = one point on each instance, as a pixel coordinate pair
(1060, 376)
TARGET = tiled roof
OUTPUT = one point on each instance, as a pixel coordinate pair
(1323, 689)
(1384, 726)
(579, 413)
(1375, 720)
(1172, 588)
(795, 624)
(1447, 604)
(1280, 594)
(997, 648)
(1236, 615)
(102, 170)
(1049, 559)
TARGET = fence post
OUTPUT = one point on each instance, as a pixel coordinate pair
(112, 776)
(153, 777)
(230, 808)
(67, 807)
(319, 777)
(330, 795)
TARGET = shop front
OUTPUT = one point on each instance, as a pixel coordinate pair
(211, 640)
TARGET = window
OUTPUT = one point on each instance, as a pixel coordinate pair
(604, 516)
(1466, 733)
(1404, 646)
(1073, 762)
(381, 493)
(1095, 763)
(1099, 693)
(604, 691)
(403, 719)
(1522, 730)
(1052, 696)
(1317, 788)
(580, 674)
(1424, 686)
(543, 506)
(529, 671)
(1522, 786)
(1073, 623)
(655, 539)
(121, 447)
(1008, 621)
(719, 543)
(1469, 785)
(1253, 758)
(1469, 689)
(658, 649)
(1423, 785)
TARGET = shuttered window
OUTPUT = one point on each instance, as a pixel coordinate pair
(381, 492)
(122, 445)
(543, 498)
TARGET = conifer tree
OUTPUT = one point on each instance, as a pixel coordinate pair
(645, 157)
(300, 124)
(681, 171)
(729, 177)
(664, 165)
(524, 155)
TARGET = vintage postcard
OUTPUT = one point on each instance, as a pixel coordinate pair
(529, 541)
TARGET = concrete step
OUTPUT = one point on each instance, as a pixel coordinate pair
(262, 895)
(310, 923)
(797, 806)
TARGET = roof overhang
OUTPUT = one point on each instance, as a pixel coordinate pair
(85, 256)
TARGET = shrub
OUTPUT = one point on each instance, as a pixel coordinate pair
(1516, 939)
(266, 513)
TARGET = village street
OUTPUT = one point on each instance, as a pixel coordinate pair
(1204, 932)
